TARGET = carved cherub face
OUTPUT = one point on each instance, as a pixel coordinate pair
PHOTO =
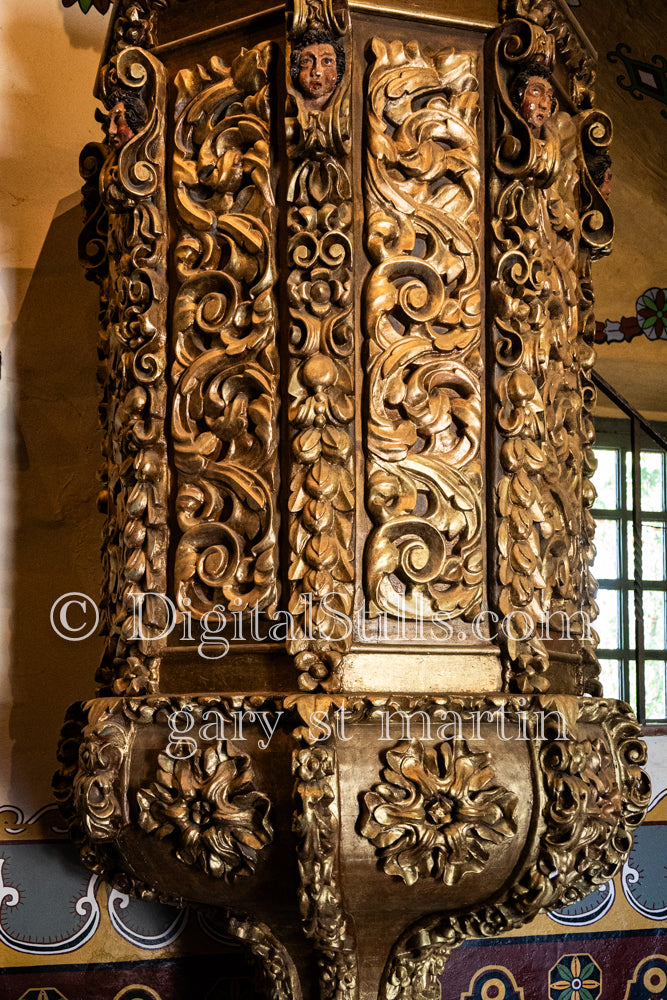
(318, 75)
(118, 129)
(537, 102)
(605, 187)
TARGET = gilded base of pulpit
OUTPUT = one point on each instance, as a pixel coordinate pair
(366, 836)
(349, 694)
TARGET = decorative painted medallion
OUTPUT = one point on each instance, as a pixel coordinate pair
(575, 977)
(643, 79)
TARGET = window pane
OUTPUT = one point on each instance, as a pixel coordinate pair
(631, 620)
(610, 678)
(653, 550)
(628, 480)
(654, 620)
(605, 566)
(606, 624)
(630, 552)
(605, 479)
(652, 484)
(654, 679)
(632, 694)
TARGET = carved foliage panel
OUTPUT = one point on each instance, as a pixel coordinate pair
(422, 323)
(541, 302)
(225, 368)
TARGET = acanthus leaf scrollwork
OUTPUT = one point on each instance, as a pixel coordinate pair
(541, 303)
(316, 827)
(226, 367)
(132, 372)
(422, 321)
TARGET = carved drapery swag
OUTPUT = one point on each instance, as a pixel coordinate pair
(124, 247)
(422, 318)
(321, 358)
(548, 217)
(226, 369)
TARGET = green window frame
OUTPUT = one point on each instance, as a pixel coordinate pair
(614, 568)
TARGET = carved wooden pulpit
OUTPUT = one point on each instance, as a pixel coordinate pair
(349, 694)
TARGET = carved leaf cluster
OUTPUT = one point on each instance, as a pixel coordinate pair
(541, 302)
(321, 380)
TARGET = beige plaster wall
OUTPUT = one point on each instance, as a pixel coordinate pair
(48, 441)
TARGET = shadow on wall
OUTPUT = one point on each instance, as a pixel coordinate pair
(56, 526)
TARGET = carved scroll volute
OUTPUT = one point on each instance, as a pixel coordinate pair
(422, 323)
(226, 369)
(541, 302)
(320, 339)
(133, 356)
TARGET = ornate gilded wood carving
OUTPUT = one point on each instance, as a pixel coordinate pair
(436, 812)
(226, 365)
(321, 340)
(573, 47)
(541, 314)
(422, 320)
(132, 371)
(576, 851)
(208, 806)
(316, 826)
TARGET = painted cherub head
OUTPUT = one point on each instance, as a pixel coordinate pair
(599, 167)
(532, 94)
(317, 65)
(127, 115)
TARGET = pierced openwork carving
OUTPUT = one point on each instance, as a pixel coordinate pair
(436, 812)
(422, 319)
(209, 807)
(316, 827)
(321, 343)
(226, 365)
(132, 371)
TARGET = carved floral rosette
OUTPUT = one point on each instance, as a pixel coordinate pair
(543, 229)
(593, 793)
(226, 369)
(124, 247)
(321, 361)
(422, 322)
